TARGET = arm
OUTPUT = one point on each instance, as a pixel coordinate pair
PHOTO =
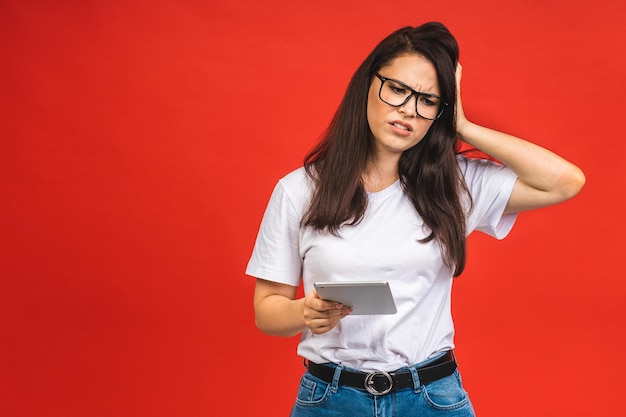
(277, 311)
(544, 178)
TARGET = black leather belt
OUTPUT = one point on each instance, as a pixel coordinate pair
(380, 383)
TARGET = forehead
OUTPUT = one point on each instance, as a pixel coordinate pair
(413, 70)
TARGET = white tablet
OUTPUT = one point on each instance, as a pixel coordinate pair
(363, 297)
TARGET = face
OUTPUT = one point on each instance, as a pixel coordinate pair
(397, 129)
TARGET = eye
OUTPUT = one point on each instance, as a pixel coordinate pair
(430, 101)
(398, 90)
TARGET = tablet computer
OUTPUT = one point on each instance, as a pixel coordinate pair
(364, 297)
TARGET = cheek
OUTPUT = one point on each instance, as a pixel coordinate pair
(422, 130)
(374, 111)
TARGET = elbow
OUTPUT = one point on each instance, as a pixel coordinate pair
(266, 326)
(263, 327)
(577, 182)
(271, 330)
(272, 327)
(572, 183)
(260, 323)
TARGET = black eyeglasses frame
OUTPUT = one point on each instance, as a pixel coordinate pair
(415, 93)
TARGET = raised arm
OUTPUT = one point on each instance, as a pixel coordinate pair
(544, 178)
(277, 311)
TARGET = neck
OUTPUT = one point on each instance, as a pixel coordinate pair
(380, 174)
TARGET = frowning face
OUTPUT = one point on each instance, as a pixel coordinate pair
(397, 129)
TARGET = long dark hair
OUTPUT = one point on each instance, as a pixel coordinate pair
(428, 172)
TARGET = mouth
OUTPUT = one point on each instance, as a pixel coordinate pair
(403, 126)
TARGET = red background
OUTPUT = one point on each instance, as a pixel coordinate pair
(140, 143)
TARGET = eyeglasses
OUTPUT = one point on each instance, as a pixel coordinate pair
(396, 94)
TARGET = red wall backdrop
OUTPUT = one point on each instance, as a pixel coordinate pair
(140, 141)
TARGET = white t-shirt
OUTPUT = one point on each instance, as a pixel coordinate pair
(383, 246)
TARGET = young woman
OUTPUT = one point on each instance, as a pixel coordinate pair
(385, 195)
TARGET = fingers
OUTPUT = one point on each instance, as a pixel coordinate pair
(459, 112)
(322, 325)
(321, 316)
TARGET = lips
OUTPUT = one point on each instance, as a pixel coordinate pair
(402, 125)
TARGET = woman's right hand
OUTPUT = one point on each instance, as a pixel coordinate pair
(277, 311)
(321, 316)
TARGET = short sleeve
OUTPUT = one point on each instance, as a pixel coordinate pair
(490, 185)
(276, 255)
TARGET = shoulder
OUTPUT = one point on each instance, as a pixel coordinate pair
(490, 184)
(296, 187)
(469, 165)
(480, 170)
(295, 178)
(297, 182)
(486, 179)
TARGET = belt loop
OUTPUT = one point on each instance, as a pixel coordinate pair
(416, 378)
(334, 385)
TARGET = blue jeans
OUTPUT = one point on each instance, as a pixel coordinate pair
(444, 397)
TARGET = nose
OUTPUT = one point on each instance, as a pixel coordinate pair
(409, 108)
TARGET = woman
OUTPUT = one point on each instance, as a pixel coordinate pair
(385, 195)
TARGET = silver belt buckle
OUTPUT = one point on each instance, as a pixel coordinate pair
(369, 383)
